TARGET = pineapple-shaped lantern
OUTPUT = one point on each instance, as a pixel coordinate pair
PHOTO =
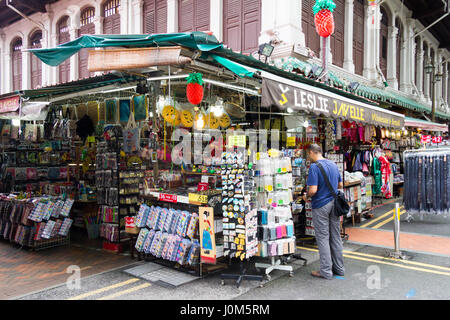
(323, 17)
(194, 89)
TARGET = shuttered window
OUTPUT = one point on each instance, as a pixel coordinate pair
(312, 39)
(16, 57)
(242, 24)
(63, 37)
(193, 15)
(111, 24)
(87, 26)
(383, 41)
(337, 38)
(36, 64)
(358, 36)
(155, 16)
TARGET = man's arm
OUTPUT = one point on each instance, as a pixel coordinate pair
(312, 190)
(340, 185)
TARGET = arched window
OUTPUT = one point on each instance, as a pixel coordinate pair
(86, 27)
(398, 44)
(358, 36)
(155, 16)
(16, 58)
(312, 39)
(36, 64)
(384, 41)
(337, 38)
(193, 15)
(111, 24)
(63, 37)
(242, 24)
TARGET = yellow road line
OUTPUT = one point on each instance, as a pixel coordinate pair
(121, 293)
(91, 293)
(399, 265)
(386, 221)
(384, 258)
(378, 218)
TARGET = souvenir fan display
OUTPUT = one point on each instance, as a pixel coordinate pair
(35, 222)
(168, 234)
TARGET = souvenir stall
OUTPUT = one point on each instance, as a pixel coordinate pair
(347, 130)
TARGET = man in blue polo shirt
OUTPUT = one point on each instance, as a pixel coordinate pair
(326, 223)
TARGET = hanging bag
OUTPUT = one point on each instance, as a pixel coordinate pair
(131, 135)
(341, 206)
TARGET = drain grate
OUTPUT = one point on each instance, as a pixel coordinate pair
(143, 269)
(168, 278)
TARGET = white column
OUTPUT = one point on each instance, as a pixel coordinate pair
(216, 18)
(371, 41)
(172, 16)
(426, 86)
(124, 14)
(74, 70)
(3, 65)
(138, 23)
(348, 37)
(54, 71)
(26, 65)
(404, 61)
(409, 66)
(392, 57)
(8, 70)
(445, 83)
(419, 71)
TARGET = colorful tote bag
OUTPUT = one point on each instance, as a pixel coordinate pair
(131, 136)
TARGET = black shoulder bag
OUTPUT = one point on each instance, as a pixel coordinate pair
(341, 206)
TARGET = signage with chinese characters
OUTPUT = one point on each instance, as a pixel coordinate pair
(203, 186)
(437, 139)
(9, 104)
(168, 197)
(425, 139)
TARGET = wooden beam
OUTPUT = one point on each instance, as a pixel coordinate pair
(35, 5)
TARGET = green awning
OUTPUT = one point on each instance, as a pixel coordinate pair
(237, 68)
(194, 40)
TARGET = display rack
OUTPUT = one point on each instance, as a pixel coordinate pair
(239, 215)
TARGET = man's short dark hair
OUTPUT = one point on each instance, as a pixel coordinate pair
(315, 148)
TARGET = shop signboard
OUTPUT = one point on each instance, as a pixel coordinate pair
(207, 235)
(302, 97)
(9, 104)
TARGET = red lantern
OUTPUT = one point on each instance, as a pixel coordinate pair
(323, 17)
(194, 89)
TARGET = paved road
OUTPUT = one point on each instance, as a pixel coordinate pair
(369, 275)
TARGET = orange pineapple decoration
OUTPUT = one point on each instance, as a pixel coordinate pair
(323, 17)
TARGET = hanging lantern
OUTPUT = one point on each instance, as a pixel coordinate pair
(194, 89)
(323, 17)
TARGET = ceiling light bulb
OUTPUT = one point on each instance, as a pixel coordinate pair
(306, 124)
(289, 110)
(16, 122)
(200, 123)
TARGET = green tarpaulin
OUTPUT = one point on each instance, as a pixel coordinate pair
(194, 40)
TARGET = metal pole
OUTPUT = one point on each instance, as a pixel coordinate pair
(397, 253)
(325, 59)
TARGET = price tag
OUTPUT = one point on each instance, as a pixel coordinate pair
(196, 198)
(290, 142)
(168, 197)
(202, 186)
